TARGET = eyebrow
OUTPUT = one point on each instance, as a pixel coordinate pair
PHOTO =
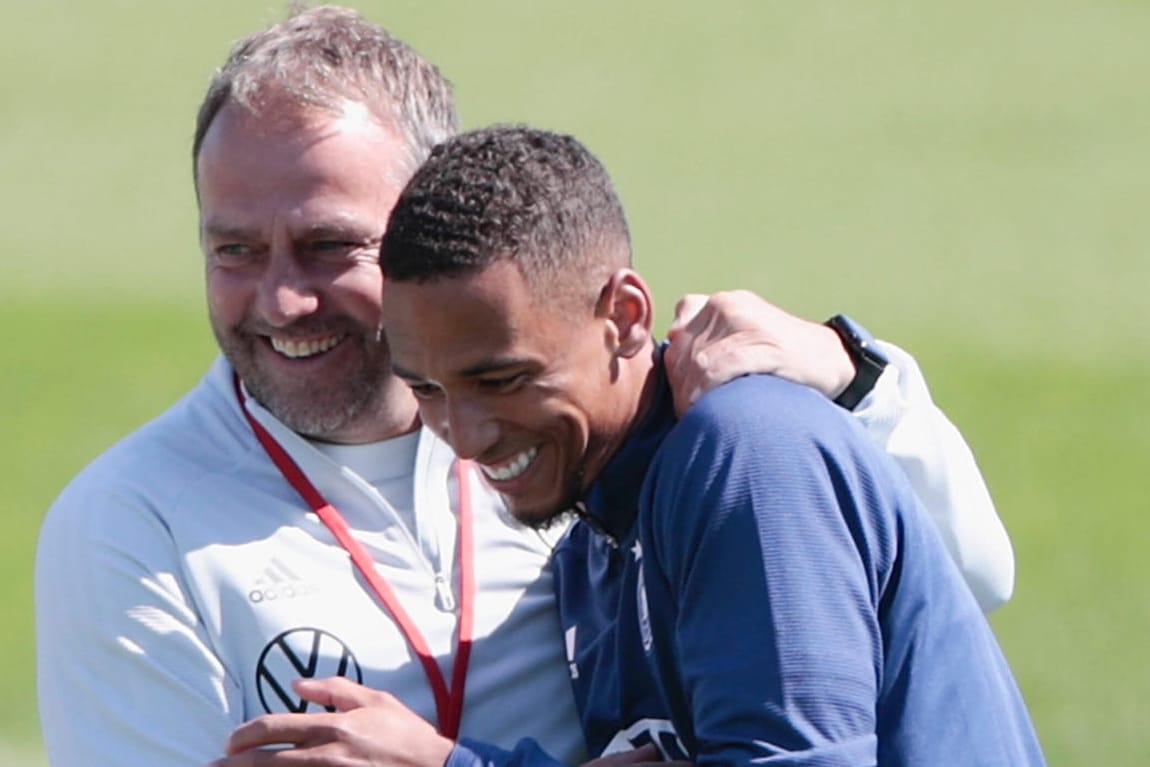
(478, 369)
(403, 373)
(220, 231)
(493, 366)
(336, 230)
(346, 231)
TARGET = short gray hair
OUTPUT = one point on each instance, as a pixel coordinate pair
(321, 57)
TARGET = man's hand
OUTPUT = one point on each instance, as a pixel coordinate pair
(717, 338)
(370, 728)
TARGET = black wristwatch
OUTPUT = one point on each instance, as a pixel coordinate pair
(868, 359)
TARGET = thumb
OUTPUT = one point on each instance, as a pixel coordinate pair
(334, 692)
(688, 306)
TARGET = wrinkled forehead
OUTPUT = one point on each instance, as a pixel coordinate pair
(286, 122)
(280, 142)
(300, 174)
(280, 118)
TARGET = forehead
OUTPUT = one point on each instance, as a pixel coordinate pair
(298, 162)
(453, 326)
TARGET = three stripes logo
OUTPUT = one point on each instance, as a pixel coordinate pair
(278, 581)
(296, 653)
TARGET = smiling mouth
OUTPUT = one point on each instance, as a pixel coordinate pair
(302, 348)
(510, 469)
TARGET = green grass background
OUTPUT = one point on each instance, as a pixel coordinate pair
(969, 179)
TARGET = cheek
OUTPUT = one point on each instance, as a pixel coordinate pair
(361, 289)
(432, 414)
(575, 426)
(228, 296)
(590, 416)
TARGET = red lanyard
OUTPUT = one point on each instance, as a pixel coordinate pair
(448, 700)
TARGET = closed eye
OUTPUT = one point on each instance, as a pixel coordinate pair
(337, 250)
(328, 246)
(234, 254)
(424, 391)
(502, 384)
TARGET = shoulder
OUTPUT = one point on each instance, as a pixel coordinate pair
(767, 450)
(763, 416)
(743, 445)
(751, 402)
(140, 479)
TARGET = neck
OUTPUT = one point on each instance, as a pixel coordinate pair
(638, 379)
(647, 373)
(395, 414)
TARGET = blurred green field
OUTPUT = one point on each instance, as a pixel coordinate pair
(969, 179)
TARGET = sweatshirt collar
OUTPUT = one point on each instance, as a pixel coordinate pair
(611, 504)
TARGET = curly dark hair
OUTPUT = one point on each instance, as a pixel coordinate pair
(536, 198)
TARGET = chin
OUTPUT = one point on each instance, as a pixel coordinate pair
(538, 517)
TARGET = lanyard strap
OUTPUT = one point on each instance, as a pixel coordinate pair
(448, 700)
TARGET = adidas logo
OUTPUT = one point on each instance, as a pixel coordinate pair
(278, 581)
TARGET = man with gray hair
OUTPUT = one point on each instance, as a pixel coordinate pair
(289, 518)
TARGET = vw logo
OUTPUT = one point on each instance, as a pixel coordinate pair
(296, 653)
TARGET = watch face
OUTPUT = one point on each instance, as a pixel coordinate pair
(856, 332)
(868, 359)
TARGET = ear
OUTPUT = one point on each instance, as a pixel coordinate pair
(625, 303)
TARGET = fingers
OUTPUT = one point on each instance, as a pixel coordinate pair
(694, 369)
(260, 758)
(369, 727)
(335, 692)
(318, 756)
(688, 306)
(685, 357)
(684, 374)
(277, 730)
(299, 729)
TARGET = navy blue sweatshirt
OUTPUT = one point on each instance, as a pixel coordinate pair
(757, 583)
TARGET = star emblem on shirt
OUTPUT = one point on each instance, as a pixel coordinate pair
(637, 551)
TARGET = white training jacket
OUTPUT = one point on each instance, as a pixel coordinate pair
(181, 583)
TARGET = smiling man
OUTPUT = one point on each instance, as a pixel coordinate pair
(289, 516)
(302, 332)
(754, 581)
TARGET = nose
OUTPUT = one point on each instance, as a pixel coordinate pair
(286, 293)
(470, 428)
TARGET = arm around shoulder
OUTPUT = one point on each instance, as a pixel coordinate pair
(125, 672)
(718, 338)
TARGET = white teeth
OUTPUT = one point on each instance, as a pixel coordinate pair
(512, 468)
(295, 349)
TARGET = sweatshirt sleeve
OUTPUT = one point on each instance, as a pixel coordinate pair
(469, 752)
(126, 672)
(762, 585)
(902, 419)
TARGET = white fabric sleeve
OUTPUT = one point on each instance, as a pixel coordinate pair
(126, 674)
(901, 417)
